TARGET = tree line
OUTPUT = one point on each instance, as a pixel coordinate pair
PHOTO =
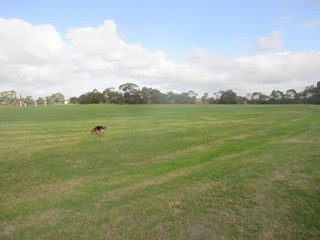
(11, 98)
(130, 93)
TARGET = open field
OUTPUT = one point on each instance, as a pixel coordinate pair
(160, 172)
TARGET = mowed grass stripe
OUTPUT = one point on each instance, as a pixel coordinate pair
(160, 172)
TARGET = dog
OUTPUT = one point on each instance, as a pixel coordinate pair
(98, 130)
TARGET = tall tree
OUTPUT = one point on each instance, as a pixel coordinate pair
(8, 97)
(73, 100)
(228, 97)
(112, 96)
(171, 97)
(290, 96)
(155, 96)
(29, 100)
(146, 95)
(55, 98)
(91, 97)
(311, 95)
(258, 98)
(204, 98)
(242, 100)
(40, 101)
(132, 93)
(276, 97)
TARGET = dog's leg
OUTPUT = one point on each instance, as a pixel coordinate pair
(101, 132)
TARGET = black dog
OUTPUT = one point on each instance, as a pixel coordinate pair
(98, 130)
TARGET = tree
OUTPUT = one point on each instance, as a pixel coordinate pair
(204, 98)
(129, 87)
(228, 97)
(311, 95)
(109, 95)
(73, 100)
(40, 101)
(145, 95)
(192, 96)
(185, 98)
(29, 100)
(318, 92)
(91, 97)
(131, 93)
(82, 99)
(276, 97)
(258, 98)
(55, 98)
(164, 98)
(95, 96)
(212, 100)
(291, 96)
(217, 95)
(241, 100)
(171, 97)
(8, 97)
(155, 96)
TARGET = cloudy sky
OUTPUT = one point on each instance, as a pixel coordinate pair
(75, 46)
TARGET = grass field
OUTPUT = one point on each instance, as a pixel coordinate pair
(160, 172)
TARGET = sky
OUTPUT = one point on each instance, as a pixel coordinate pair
(73, 47)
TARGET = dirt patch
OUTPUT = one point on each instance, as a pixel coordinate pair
(8, 230)
(240, 137)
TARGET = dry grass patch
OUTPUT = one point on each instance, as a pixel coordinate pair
(183, 152)
(64, 186)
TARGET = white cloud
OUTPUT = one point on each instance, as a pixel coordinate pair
(315, 23)
(270, 43)
(36, 60)
(22, 42)
(264, 72)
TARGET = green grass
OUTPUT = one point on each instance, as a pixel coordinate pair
(160, 172)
